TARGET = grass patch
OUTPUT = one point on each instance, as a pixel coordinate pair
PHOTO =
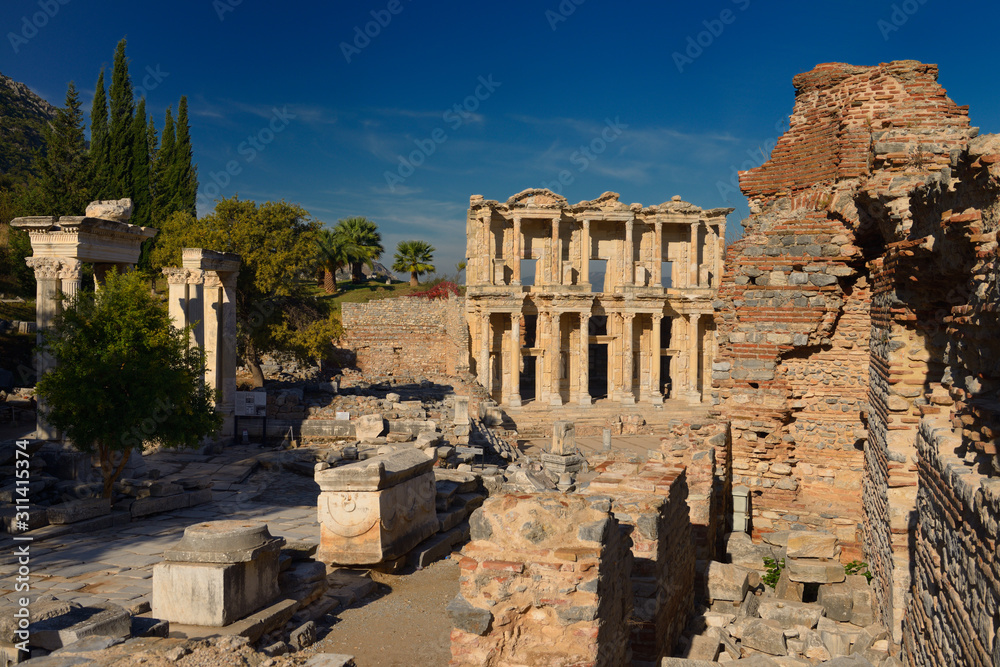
(365, 291)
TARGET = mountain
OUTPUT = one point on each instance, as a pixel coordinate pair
(23, 114)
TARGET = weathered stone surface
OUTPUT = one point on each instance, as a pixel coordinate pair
(118, 210)
(726, 582)
(705, 647)
(563, 438)
(811, 544)
(97, 619)
(330, 660)
(764, 635)
(376, 510)
(369, 427)
(223, 542)
(790, 613)
(468, 618)
(837, 601)
(78, 510)
(303, 636)
(818, 571)
(786, 589)
(39, 610)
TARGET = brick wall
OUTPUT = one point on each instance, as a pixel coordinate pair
(407, 336)
(862, 300)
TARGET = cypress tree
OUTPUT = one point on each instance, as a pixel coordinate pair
(120, 133)
(148, 245)
(64, 179)
(184, 179)
(99, 164)
(141, 199)
(161, 171)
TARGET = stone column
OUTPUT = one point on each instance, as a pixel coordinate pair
(516, 259)
(515, 360)
(585, 252)
(484, 352)
(100, 270)
(628, 359)
(694, 343)
(658, 254)
(655, 381)
(556, 264)
(720, 253)
(693, 256)
(71, 275)
(211, 323)
(46, 308)
(487, 253)
(555, 334)
(178, 296)
(228, 353)
(711, 250)
(584, 395)
(628, 273)
(196, 305)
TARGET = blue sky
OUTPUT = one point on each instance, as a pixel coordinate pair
(443, 100)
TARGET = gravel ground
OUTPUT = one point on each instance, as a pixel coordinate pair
(405, 628)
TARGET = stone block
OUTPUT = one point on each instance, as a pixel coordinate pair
(790, 613)
(811, 544)
(815, 570)
(786, 589)
(106, 619)
(330, 660)
(369, 427)
(726, 582)
(837, 601)
(117, 210)
(461, 410)
(376, 510)
(147, 506)
(219, 572)
(78, 510)
(468, 618)
(705, 647)
(563, 438)
(766, 636)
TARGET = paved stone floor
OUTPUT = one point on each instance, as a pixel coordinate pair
(116, 564)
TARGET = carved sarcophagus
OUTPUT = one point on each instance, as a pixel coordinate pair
(376, 510)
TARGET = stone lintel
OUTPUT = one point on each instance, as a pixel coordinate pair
(210, 260)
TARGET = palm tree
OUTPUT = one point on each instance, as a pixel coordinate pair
(415, 257)
(362, 243)
(332, 255)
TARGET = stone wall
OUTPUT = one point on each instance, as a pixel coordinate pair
(651, 501)
(544, 581)
(953, 616)
(863, 300)
(407, 336)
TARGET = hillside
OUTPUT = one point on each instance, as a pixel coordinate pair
(23, 114)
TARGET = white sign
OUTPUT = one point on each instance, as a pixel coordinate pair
(251, 404)
(343, 416)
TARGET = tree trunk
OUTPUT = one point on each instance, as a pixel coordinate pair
(356, 272)
(330, 282)
(253, 363)
(109, 471)
(413, 279)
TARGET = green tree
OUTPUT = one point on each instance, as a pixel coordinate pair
(362, 243)
(161, 172)
(276, 242)
(141, 198)
(120, 132)
(184, 174)
(63, 177)
(145, 384)
(100, 168)
(332, 255)
(415, 257)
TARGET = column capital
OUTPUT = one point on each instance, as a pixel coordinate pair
(628, 317)
(213, 279)
(70, 269)
(46, 268)
(175, 276)
(195, 276)
(657, 317)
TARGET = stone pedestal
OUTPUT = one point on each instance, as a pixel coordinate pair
(376, 510)
(218, 573)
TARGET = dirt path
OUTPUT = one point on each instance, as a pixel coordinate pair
(407, 628)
